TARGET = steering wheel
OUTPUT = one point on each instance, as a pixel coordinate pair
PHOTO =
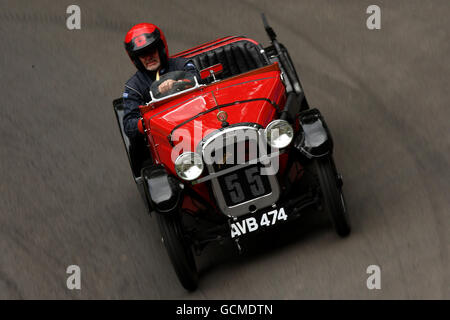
(185, 80)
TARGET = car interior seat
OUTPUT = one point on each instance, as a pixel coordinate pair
(236, 57)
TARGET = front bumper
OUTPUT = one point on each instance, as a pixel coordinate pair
(293, 208)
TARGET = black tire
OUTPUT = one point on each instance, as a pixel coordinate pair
(333, 197)
(180, 252)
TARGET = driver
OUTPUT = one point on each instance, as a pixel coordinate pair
(147, 48)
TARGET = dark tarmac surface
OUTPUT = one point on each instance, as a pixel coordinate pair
(67, 196)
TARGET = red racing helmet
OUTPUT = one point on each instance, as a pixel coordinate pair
(145, 37)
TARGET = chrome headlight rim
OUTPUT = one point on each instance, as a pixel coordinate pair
(183, 159)
(289, 136)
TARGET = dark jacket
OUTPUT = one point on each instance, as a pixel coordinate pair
(137, 92)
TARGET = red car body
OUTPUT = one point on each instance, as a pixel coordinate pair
(162, 117)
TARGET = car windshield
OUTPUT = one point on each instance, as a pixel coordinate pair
(177, 81)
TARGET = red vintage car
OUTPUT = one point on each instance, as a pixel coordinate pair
(233, 153)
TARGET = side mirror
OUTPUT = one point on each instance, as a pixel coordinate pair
(211, 71)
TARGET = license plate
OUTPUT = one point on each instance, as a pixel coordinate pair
(254, 223)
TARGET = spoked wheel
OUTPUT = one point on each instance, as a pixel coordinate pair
(333, 198)
(179, 250)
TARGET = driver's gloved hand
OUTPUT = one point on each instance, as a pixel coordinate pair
(166, 85)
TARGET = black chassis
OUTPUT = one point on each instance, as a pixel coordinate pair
(163, 193)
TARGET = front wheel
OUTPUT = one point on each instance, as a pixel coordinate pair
(333, 198)
(179, 250)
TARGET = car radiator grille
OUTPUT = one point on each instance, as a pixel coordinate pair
(242, 190)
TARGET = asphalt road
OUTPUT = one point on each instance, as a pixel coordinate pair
(67, 196)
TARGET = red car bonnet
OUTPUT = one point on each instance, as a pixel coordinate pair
(262, 85)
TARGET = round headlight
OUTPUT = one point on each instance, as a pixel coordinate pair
(279, 133)
(189, 166)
